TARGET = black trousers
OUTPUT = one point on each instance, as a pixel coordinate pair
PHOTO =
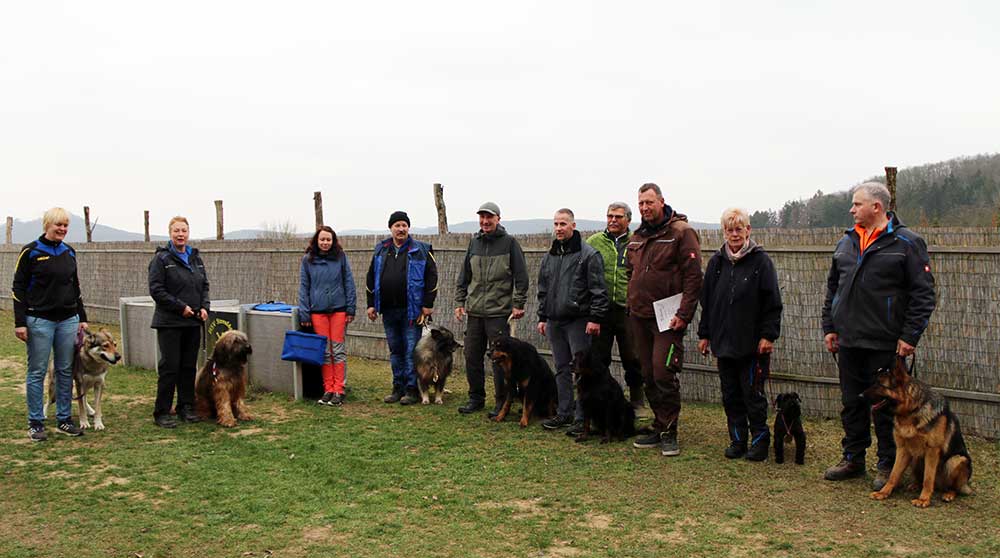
(616, 327)
(179, 348)
(479, 332)
(745, 404)
(858, 369)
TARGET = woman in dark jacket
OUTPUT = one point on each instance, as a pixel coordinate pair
(179, 285)
(327, 301)
(741, 319)
(48, 313)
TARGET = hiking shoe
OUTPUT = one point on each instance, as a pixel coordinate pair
(668, 444)
(165, 421)
(844, 470)
(471, 407)
(881, 477)
(187, 414)
(36, 432)
(327, 398)
(410, 398)
(575, 429)
(736, 450)
(651, 440)
(393, 397)
(557, 422)
(758, 451)
(69, 429)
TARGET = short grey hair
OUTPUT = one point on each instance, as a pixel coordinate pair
(875, 191)
(567, 211)
(733, 217)
(651, 186)
(624, 206)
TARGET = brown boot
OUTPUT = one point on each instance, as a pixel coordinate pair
(844, 470)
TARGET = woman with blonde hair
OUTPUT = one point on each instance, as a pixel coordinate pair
(48, 314)
(179, 286)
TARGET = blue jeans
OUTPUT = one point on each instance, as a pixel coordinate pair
(402, 336)
(43, 337)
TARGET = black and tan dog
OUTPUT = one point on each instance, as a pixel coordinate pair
(221, 385)
(525, 374)
(605, 408)
(788, 426)
(927, 437)
(432, 361)
(97, 353)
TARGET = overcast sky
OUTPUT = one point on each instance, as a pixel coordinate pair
(126, 106)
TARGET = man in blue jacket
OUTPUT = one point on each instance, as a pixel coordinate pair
(879, 299)
(402, 285)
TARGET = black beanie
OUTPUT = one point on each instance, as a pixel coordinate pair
(399, 216)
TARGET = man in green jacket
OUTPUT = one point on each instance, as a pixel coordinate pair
(611, 244)
(492, 288)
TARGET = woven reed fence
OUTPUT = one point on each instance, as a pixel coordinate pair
(959, 353)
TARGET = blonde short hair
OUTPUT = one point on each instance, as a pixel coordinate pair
(177, 219)
(53, 216)
(734, 216)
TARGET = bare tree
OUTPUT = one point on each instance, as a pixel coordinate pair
(278, 230)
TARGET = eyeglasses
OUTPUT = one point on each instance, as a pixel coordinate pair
(610, 216)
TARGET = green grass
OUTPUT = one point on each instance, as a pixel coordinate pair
(377, 480)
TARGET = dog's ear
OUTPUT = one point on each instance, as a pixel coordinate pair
(436, 333)
(795, 397)
(899, 372)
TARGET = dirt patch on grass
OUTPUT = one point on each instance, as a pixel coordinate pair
(597, 521)
(277, 414)
(520, 507)
(10, 363)
(561, 549)
(253, 431)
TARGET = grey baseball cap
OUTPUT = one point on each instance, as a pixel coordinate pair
(489, 207)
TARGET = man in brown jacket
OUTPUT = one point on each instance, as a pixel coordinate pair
(664, 259)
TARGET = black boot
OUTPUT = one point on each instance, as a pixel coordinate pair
(187, 414)
(736, 449)
(395, 396)
(471, 407)
(412, 396)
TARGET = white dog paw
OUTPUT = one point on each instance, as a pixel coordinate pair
(98, 425)
(85, 424)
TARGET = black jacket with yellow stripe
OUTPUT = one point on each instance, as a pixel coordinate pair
(46, 284)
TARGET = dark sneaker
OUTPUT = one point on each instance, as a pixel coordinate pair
(471, 407)
(326, 399)
(844, 470)
(36, 432)
(668, 444)
(651, 440)
(410, 398)
(187, 414)
(165, 421)
(575, 429)
(69, 429)
(736, 450)
(881, 477)
(336, 400)
(758, 451)
(557, 422)
(496, 410)
(393, 397)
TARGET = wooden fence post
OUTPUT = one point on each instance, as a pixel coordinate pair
(442, 213)
(145, 223)
(86, 221)
(219, 235)
(10, 230)
(318, 208)
(890, 183)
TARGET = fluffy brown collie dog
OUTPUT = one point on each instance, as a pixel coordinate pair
(222, 383)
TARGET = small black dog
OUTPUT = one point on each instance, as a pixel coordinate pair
(526, 375)
(788, 425)
(602, 400)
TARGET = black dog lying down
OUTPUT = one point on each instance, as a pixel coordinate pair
(788, 425)
(605, 408)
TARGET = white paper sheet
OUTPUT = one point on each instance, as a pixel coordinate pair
(665, 309)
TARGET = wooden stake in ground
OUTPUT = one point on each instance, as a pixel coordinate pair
(86, 222)
(442, 214)
(10, 230)
(890, 183)
(218, 220)
(145, 220)
(318, 208)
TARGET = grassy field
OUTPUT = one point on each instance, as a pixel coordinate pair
(371, 479)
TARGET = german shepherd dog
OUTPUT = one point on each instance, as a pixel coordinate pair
(432, 360)
(96, 353)
(927, 437)
(525, 373)
(602, 400)
(221, 384)
(788, 426)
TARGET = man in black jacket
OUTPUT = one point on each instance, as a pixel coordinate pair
(572, 303)
(879, 299)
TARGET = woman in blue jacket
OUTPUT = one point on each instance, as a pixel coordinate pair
(327, 300)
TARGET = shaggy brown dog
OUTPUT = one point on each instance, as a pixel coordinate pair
(221, 384)
(432, 360)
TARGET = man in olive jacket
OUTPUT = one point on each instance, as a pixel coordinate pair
(664, 258)
(879, 299)
(492, 288)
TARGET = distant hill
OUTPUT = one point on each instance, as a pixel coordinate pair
(26, 231)
(958, 192)
(515, 226)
